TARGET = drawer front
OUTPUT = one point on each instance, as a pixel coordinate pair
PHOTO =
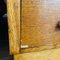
(33, 25)
(40, 23)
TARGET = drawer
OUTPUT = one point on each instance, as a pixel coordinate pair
(34, 25)
(40, 21)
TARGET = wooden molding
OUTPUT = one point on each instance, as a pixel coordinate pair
(13, 9)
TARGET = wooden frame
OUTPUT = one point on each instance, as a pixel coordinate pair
(13, 9)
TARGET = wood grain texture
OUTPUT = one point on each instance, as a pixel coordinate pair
(39, 20)
(13, 8)
(53, 54)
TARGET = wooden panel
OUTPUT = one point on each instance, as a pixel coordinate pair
(40, 20)
(13, 8)
(53, 54)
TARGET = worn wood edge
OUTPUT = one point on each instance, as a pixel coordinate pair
(53, 54)
(13, 10)
(39, 48)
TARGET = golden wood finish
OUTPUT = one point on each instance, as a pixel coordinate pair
(39, 20)
(53, 54)
(13, 8)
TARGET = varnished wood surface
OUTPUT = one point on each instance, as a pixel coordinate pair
(53, 54)
(13, 8)
(39, 20)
